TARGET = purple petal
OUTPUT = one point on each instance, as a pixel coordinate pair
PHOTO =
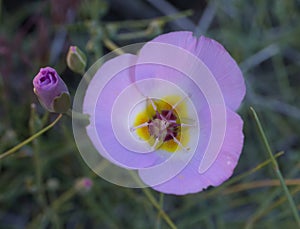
(180, 66)
(189, 180)
(100, 130)
(218, 60)
(47, 86)
(148, 71)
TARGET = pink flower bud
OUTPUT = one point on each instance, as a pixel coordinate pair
(51, 90)
(83, 184)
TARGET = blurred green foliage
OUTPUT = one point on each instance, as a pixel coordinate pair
(37, 184)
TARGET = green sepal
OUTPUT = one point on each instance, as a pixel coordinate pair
(76, 60)
(62, 103)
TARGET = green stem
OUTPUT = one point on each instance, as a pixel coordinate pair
(53, 207)
(217, 190)
(154, 202)
(158, 207)
(112, 46)
(37, 160)
(161, 204)
(45, 118)
(14, 149)
(276, 167)
(144, 22)
(63, 198)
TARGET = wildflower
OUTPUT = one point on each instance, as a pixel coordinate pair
(169, 112)
(51, 90)
(76, 60)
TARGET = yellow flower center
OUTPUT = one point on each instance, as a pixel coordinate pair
(160, 126)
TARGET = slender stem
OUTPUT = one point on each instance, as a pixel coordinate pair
(64, 197)
(267, 207)
(45, 118)
(37, 159)
(158, 207)
(241, 176)
(112, 46)
(14, 149)
(154, 202)
(276, 168)
(161, 203)
(259, 184)
(253, 170)
(141, 23)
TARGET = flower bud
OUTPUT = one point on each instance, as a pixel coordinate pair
(51, 91)
(76, 60)
(83, 184)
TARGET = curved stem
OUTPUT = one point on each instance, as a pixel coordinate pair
(154, 202)
(112, 46)
(276, 168)
(14, 149)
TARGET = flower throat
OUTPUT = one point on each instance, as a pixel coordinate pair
(160, 125)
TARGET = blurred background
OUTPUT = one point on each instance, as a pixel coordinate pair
(46, 184)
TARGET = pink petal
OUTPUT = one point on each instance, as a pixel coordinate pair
(190, 181)
(99, 106)
(179, 66)
(146, 71)
(218, 60)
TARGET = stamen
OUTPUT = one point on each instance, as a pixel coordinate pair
(176, 104)
(179, 143)
(159, 115)
(187, 125)
(153, 105)
(139, 126)
(163, 117)
(164, 125)
(181, 124)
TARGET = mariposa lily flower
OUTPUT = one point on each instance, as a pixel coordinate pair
(169, 113)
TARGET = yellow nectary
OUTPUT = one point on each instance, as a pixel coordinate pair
(159, 123)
